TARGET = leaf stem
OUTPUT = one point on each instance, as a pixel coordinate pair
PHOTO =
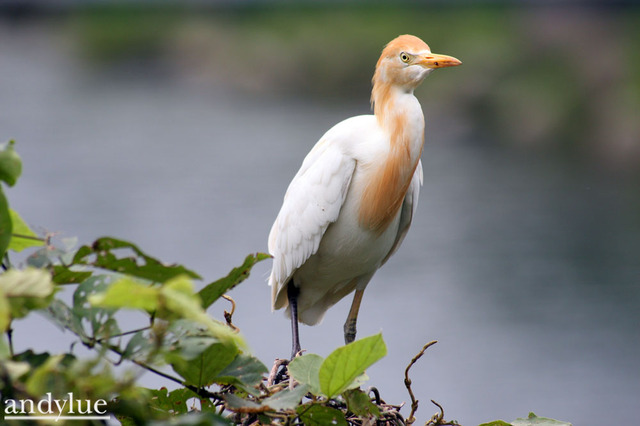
(126, 333)
(29, 237)
(10, 339)
(201, 392)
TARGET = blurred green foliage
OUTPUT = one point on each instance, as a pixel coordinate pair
(116, 33)
(538, 77)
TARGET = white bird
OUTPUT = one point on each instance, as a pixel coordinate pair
(350, 205)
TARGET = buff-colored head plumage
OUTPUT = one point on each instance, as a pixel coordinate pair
(404, 43)
(404, 63)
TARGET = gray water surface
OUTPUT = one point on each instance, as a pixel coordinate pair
(524, 268)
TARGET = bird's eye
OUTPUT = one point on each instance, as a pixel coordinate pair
(404, 57)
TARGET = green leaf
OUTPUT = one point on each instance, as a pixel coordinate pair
(534, 420)
(49, 376)
(49, 255)
(6, 226)
(30, 282)
(103, 254)
(103, 325)
(14, 370)
(306, 370)
(97, 284)
(5, 313)
(359, 381)
(127, 293)
(204, 368)
(178, 341)
(5, 353)
(496, 423)
(282, 401)
(345, 364)
(65, 275)
(234, 402)
(63, 316)
(10, 164)
(189, 346)
(33, 359)
(139, 347)
(173, 300)
(23, 291)
(244, 372)
(213, 291)
(287, 399)
(172, 403)
(360, 404)
(320, 415)
(22, 236)
(45, 257)
(177, 297)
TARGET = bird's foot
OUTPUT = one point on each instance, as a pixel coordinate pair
(349, 331)
(296, 351)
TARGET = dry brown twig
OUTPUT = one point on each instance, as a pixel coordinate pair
(407, 382)
(438, 418)
(274, 370)
(229, 315)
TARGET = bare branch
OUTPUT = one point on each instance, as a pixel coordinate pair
(407, 381)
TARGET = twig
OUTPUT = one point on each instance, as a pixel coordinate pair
(376, 394)
(30, 237)
(118, 351)
(438, 418)
(273, 374)
(10, 339)
(228, 315)
(407, 381)
(126, 333)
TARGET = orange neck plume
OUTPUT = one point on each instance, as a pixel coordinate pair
(385, 192)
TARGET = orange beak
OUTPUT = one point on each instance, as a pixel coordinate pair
(434, 60)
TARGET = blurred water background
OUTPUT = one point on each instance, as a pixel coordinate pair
(178, 127)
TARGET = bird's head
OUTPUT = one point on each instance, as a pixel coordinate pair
(406, 61)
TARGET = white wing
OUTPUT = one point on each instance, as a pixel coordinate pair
(312, 202)
(409, 207)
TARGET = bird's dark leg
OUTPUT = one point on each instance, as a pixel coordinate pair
(350, 324)
(292, 294)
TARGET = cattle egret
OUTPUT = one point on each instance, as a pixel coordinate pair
(350, 205)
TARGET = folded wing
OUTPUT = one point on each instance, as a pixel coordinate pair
(408, 209)
(312, 202)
